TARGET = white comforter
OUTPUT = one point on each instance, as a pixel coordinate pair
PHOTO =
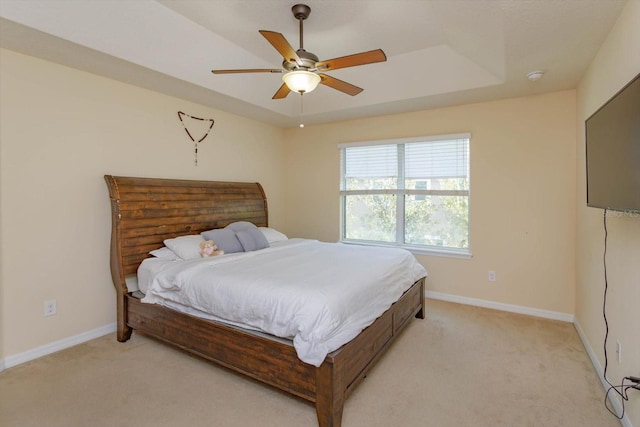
(321, 295)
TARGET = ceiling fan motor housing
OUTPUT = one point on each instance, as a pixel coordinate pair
(308, 60)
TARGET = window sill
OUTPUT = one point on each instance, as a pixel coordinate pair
(432, 251)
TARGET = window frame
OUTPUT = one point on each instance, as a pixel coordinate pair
(400, 192)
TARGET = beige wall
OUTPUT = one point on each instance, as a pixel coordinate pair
(62, 130)
(616, 64)
(523, 161)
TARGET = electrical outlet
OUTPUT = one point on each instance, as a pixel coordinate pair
(491, 276)
(619, 351)
(50, 307)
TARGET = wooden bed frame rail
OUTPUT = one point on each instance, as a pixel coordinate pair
(145, 211)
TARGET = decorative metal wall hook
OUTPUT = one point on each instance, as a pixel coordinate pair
(194, 140)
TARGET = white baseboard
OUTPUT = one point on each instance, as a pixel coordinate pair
(55, 346)
(625, 421)
(546, 314)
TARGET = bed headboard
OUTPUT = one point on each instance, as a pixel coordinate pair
(146, 211)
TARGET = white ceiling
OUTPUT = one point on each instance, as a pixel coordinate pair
(439, 52)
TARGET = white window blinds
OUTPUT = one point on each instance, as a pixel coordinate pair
(409, 192)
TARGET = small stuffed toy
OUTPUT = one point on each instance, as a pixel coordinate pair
(208, 248)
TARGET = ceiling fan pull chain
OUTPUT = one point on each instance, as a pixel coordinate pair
(301, 110)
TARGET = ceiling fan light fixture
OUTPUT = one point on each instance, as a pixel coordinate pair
(301, 81)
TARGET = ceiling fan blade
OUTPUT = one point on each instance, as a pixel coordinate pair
(340, 85)
(362, 58)
(281, 44)
(282, 92)
(248, 70)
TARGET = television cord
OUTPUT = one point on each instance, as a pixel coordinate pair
(622, 389)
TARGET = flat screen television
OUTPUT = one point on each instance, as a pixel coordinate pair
(613, 151)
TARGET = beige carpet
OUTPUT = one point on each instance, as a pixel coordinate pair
(461, 366)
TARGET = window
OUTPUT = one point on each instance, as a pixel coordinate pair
(407, 192)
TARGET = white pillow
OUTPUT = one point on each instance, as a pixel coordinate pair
(272, 234)
(186, 247)
(164, 253)
(132, 283)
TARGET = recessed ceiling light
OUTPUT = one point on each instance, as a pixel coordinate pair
(535, 75)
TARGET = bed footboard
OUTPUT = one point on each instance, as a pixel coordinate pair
(346, 367)
(276, 363)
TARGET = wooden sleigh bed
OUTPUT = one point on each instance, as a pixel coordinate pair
(146, 211)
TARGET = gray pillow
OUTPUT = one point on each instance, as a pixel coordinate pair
(225, 239)
(252, 239)
(240, 225)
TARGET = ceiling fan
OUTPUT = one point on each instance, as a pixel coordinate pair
(303, 69)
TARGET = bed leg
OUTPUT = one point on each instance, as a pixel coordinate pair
(122, 330)
(124, 333)
(329, 396)
(420, 314)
